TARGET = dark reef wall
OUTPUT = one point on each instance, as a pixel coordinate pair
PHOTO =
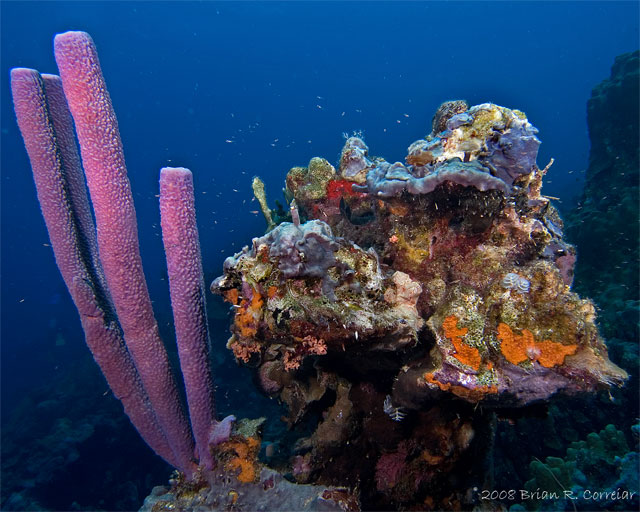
(605, 226)
(54, 448)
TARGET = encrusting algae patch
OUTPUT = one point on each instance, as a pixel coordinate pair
(472, 394)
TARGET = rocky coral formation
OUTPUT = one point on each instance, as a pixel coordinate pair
(446, 277)
(240, 482)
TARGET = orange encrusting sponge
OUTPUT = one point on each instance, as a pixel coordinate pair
(248, 315)
(464, 353)
(247, 452)
(474, 394)
(519, 348)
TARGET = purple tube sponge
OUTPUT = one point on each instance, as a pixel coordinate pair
(103, 158)
(46, 126)
(186, 282)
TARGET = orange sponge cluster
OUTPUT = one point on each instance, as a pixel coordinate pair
(523, 347)
(474, 394)
(248, 315)
(464, 353)
(246, 454)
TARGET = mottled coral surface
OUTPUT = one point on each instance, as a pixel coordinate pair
(443, 279)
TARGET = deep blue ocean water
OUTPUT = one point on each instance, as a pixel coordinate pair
(237, 89)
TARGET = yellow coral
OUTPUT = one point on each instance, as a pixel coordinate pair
(413, 249)
(464, 353)
(519, 348)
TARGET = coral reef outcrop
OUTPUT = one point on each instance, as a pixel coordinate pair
(444, 278)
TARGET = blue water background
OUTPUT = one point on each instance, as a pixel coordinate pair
(233, 90)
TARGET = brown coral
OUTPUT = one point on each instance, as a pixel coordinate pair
(446, 111)
(421, 158)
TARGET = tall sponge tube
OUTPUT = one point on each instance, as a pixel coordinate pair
(117, 232)
(186, 283)
(46, 127)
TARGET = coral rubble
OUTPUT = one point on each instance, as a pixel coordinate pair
(442, 278)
